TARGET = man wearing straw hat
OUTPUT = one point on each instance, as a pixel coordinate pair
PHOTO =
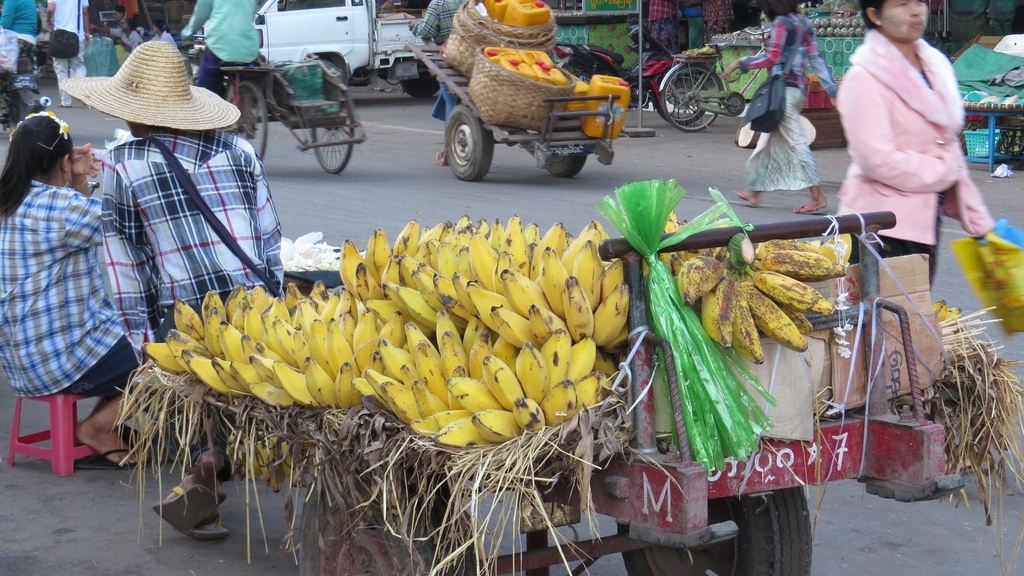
(160, 246)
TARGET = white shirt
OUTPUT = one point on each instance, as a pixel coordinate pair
(166, 37)
(133, 40)
(67, 15)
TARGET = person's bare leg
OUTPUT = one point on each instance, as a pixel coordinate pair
(817, 197)
(97, 431)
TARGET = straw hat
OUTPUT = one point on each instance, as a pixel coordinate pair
(151, 88)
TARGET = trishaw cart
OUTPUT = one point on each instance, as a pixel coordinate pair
(561, 147)
(328, 126)
(674, 518)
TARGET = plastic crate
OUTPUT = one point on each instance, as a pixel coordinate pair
(817, 100)
(976, 143)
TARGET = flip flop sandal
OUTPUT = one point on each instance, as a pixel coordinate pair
(441, 159)
(807, 211)
(210, 532)
(101, 462)
(188, 509)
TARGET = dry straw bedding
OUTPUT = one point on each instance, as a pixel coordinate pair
(368, 468)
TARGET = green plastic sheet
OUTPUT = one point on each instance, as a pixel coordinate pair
(721, 416)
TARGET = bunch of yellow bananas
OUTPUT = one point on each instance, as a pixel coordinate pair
(254, 344)
(524, 325)
(944, 311)
(743, 290)
(261, 458)
(520, 285)
(470, 332)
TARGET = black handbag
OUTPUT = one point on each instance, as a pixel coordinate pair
(768, 105)
(273, 287)
(64, 43)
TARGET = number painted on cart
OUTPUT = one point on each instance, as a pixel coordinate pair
(662, 499)
(769, 462)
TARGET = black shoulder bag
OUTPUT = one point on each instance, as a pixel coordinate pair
(273, 287)
(768, 105)
(64, 43)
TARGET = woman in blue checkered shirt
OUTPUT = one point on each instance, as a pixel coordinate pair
(59, 332)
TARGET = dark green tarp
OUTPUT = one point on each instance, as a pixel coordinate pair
(976, 67)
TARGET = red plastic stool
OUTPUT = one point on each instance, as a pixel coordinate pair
(64, 449)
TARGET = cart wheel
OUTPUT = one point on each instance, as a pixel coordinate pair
(774, 539)
(566, 166)
(329, 550)
(332, 159)
(469, 147)
(252, 124)
(681, 97)
(422, 87)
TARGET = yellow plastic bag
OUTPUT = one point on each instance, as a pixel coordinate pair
(995, 269)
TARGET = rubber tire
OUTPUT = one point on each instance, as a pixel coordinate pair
(566, 166)
(422, 87)
(774, 540)
(469, 147)
(253, 123)
(692, 78)
(333, 159)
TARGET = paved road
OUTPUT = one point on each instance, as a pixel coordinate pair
(94, 523)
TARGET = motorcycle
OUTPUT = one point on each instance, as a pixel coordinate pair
(644, 78)
(21, 99)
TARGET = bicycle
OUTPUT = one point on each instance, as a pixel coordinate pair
(693, 92)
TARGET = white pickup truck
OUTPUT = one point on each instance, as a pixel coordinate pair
(348, 33)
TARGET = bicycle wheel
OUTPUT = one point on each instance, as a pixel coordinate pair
(333, 158)
(253, 122)
(681, 92)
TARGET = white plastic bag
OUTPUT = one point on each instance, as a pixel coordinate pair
(8, 51)
(1002, 171)
(308, 252)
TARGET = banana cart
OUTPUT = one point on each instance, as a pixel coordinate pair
(673, 517)
(560, 147)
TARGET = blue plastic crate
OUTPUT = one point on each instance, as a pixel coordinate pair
(976, 143)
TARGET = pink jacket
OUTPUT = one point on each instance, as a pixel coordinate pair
(903, 138)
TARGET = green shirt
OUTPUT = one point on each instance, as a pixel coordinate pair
(230, 32)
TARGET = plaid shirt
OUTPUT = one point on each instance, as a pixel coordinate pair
(806, 52)
(663, 9)
(159, 247)
(436, 24)
(56, 321)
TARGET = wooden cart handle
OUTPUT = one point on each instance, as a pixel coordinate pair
(787, 230)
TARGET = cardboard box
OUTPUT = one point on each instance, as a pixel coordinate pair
(911, 272)
(798, 379)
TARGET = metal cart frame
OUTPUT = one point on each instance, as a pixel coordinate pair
(561, 147)
(329, 127)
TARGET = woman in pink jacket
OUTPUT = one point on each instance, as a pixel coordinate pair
(902, 114)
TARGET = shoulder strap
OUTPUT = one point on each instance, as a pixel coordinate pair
(795, 45)
(186, 182)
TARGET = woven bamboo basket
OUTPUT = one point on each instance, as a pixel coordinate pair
(507, 99)
(175, 11)
(471, 31)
